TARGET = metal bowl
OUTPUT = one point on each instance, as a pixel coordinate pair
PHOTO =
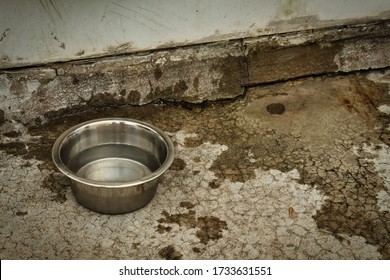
(114, 164)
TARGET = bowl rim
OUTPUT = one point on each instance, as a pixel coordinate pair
(72, 175)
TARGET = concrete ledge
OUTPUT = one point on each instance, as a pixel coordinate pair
(205, 72)
(346, 49)
(190, 74)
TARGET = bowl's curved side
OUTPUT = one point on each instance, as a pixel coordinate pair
(114, 201)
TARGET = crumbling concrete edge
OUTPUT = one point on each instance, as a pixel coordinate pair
(190, 75)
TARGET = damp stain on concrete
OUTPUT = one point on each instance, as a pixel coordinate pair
(208, 228)
(275, 108)
(2, 119)
(178, 164)
(157, 72)
(12, 134)
(58, 184)
(187, 204)
(14, 148)
(310, 183)
(170, 253)
(170, 92)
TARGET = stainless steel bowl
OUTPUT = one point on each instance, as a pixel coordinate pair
(114, 164)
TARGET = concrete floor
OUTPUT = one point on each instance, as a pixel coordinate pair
(296, 170)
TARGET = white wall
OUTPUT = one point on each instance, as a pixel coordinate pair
(41, 31)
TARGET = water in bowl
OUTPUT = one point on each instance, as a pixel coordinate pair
(113, 163)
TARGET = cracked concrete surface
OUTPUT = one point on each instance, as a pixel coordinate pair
(294, 170)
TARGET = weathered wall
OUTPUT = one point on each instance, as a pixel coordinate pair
(189, 57)
(192, 74)
(35, 32)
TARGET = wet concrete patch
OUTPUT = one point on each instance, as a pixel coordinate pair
(12, 134)
(208, 228)
(185, 219)
(187, 204)
(170, 253)
(58, 184)
(14, 148)
(2, 118)
(178, 164)
(161, 229)
(276, 108)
